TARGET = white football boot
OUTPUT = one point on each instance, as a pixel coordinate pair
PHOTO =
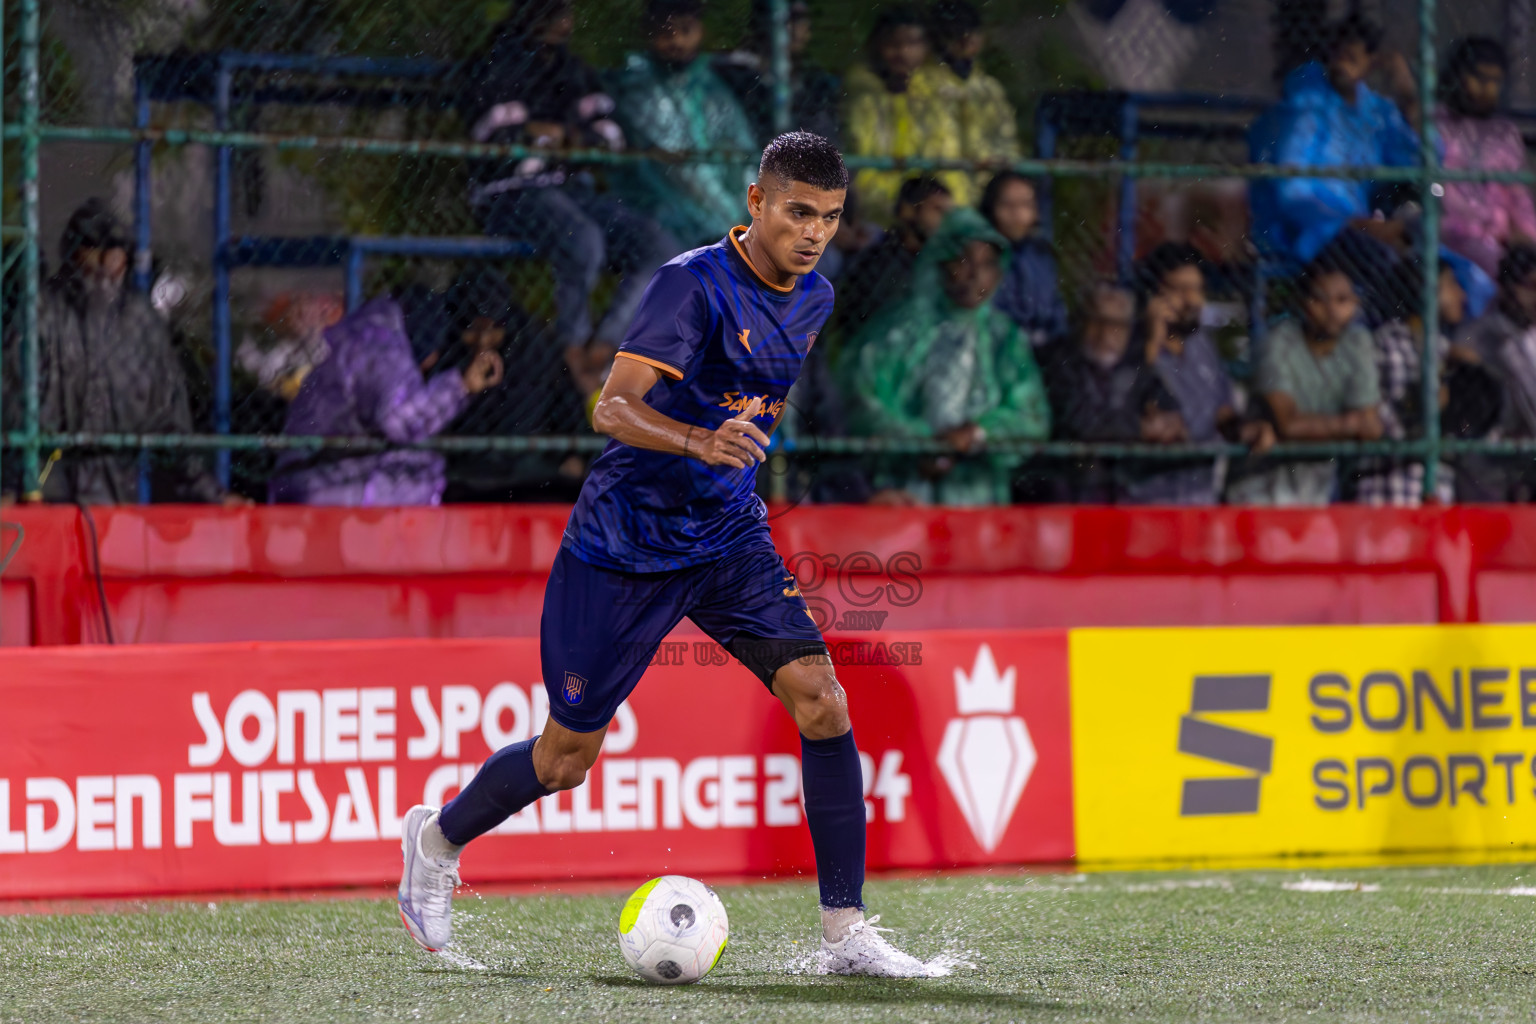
(426, 884)
(865, 951)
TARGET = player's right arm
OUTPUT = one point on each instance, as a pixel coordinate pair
(622, 414)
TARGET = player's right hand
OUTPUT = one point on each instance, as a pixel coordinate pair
(738, 442)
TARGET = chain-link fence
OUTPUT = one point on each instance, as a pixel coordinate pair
(210, 207)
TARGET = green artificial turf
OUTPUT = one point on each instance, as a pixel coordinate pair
(1430, 944)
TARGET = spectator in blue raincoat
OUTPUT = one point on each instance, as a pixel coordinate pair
(1328, 117)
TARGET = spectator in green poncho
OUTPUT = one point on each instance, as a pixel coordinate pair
(944, 363)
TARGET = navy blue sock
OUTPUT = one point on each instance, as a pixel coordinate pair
(504, 785)
(833, 782)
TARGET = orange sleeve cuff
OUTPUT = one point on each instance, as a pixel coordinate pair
(670, 371)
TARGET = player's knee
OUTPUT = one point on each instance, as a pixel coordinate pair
(563, 771)
(821, 706)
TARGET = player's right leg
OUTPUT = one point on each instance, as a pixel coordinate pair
(591, 662)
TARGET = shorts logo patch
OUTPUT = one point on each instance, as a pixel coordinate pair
(575, 686)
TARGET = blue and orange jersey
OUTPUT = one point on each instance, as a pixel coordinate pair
(721, 336)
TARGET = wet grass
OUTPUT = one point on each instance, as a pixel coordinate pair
(1434, 944)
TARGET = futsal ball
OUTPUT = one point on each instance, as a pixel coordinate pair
(673, 930)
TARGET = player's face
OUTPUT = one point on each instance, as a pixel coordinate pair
(794, 222)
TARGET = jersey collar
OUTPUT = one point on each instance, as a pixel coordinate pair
(741, 253)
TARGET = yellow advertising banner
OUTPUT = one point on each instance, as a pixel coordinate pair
(1196, 743)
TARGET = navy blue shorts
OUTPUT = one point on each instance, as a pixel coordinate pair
(601, 628)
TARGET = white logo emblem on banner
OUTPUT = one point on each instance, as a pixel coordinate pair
(987, 755)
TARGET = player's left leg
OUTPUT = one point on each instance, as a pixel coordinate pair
(832, 781)
(752, 606)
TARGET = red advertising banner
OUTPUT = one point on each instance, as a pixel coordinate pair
(200, 767)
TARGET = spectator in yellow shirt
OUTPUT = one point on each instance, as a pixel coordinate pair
(894, 109)
(988, 124)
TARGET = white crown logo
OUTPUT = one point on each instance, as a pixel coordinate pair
(984, 691)
(987, 755)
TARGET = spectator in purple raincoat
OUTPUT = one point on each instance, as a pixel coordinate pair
(370, 384)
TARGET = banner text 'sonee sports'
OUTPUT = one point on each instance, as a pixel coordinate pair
(191, 768)
(233, 766)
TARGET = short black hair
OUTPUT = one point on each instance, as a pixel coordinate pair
(1472, 52)
(1313, 273)
(894, 16)
(1518, 263)
(93, 225)
(994, 191)
(952, 19)
(1164, 260)
(1353, 28)
(659, 12)
(919, 189)
(804, 156)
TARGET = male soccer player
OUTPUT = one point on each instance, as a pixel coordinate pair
(669, 524)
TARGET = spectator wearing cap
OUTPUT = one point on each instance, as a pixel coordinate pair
(670, 99)
(1030, 293)
(1102, 389)
(1318, 377)
(878, 274)
(1479, 218)
(107, 366)
(989, 128)
(530, 90)
(893, 108)
(1183, 354)
(370, 384)
(945, 363)
(814, 93)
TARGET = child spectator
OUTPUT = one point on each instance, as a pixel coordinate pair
(893, 109)
(1030, 293)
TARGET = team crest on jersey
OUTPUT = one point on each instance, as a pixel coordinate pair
(575, 686)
